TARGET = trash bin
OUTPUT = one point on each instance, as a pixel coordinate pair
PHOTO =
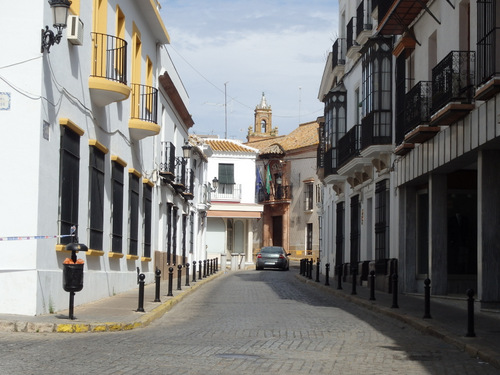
(73, 277)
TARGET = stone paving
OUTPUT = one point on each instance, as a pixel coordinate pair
(247, 322)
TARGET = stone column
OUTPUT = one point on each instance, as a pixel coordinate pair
(438, 236)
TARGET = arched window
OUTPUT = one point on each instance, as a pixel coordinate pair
(263, 125)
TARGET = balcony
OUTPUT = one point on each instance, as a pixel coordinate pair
(338, 57)
(452, 87)
(188, 192)
(376, 129)
(167, 162)
(228, 193)
(352, 47)
(349, 145)
(277, 194)
(330, 162)
(395, 16)
(180, 179)
(488, 59)
(417, 114)
(143, 115)
(108, 79)
(363, 23)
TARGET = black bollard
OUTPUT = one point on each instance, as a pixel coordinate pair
(395, 292)
(187, 274)
(157, 281)
(140, 307)
(179, 277)
(199, 269)
(301, 267)
(204, 268)
(194, 271)
(216, 265)
(311, 265)
(372, 285)
(317, 270)
(211, 267)
(427, 299)
(339, 277)
(354, 272)
(170, 281)
(470, 313)
(327, 274)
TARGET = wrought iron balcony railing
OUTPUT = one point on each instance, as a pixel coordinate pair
(453, 79)
(488, 62)
(180, 174)
(109, 57)
(189, 185)
(144, 103)
(339, 51)
(363, 18)
(349, 145)
(418, 105)
(330, 161)
(167, 162)
(351, 33)
(376, 129)
(276, 193)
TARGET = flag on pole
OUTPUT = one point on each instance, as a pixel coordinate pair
(268, 180)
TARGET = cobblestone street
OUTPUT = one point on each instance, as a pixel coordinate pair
(248, 322)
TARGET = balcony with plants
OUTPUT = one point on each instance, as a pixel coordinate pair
(108, 78)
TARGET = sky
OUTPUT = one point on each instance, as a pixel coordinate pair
(229, 52)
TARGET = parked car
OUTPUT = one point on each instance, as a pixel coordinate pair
(272, 257)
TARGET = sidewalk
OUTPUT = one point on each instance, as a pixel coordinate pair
(116, 313)
(448, 317)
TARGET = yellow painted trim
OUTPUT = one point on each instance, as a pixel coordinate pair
(146, 259)
(160, 20)
(98, 253)
(115, 255)
(95, 143)
(148, 182)
(61, 248)
(135, 172)
(99, 83)
(75, 7)
(119, 160)
(132, 257)
(70, 124)
(134, 123)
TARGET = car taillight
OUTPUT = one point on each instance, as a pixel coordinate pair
(259, 255)
(282, 256)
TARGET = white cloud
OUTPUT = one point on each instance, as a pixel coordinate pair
(254, 46)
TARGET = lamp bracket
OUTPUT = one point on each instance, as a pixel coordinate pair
(49, 38)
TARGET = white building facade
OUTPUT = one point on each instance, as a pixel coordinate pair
(94, 116)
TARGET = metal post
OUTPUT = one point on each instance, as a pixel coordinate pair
(71, 304)
(157, 281)
(187, 274)
(204, 268)
(354, 272)
(395, 292)
(140, 307)
(311, 263)
(427, 299)
(327, 274)
(216, 265)
(210, 268)
(317, 270)
(170, 281)
(179, 276)
(199, 269)
(470, 313)
(339, 276)
(194, 271)
(372, 285)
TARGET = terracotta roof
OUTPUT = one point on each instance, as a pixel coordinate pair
(227, 145)
(303, 136)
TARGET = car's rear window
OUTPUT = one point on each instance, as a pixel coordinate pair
(273, 250)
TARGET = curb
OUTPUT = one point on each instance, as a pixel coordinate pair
(141, 322)
(425, 326)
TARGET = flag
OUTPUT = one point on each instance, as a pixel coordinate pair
(268, 180)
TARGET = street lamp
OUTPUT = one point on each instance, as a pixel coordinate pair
(60, 10)
(186, 150)
(215, 185)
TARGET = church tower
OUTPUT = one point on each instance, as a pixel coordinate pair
(263, 122)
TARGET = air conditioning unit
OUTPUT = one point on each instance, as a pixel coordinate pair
(75, 30)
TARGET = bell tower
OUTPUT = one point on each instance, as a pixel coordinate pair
(263, 123)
